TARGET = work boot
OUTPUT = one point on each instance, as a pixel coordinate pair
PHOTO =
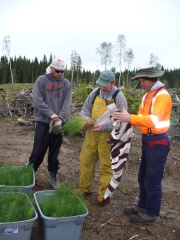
(102, 202)
(52, 180)
(143, 219)
(134, 210)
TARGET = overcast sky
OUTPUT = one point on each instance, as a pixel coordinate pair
(38, 27)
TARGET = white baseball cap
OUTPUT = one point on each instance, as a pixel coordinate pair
(58, 64)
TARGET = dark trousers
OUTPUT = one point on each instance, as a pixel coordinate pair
(42, 141)
(155, 149)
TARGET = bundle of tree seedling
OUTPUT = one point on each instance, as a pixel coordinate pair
(76, 125)
(62, 203)
(16, 175)
(15, 207)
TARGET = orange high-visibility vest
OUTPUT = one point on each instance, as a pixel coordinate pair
(154, 112)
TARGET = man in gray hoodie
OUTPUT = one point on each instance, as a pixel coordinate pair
(52, 98)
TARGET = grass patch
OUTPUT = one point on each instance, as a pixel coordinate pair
(125, 190)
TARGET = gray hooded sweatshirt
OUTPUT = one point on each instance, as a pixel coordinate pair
(51, 96)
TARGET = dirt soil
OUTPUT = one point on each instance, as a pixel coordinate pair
(108, 222)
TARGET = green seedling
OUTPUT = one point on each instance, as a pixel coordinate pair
(63, 203)
(16, 175)
(74, 125)
(15, 207)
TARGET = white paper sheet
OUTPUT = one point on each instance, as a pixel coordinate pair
(105, 118)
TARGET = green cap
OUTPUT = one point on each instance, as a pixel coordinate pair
(105, 78)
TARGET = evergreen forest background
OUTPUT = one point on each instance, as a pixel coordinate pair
(27, 71)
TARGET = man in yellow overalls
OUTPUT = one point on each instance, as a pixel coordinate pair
(95, 145)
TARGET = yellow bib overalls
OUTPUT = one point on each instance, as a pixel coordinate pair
(95, 148)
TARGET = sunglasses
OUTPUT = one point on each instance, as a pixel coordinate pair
(57, 71)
